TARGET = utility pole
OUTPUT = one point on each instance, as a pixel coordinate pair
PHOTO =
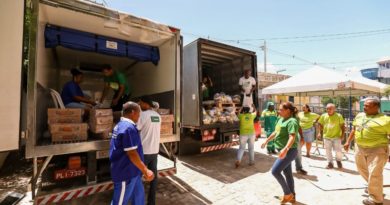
(264, 47)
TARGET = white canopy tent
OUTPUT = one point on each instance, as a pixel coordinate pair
(319, 81)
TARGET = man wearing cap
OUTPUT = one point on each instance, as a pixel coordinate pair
(126, 157)
(269, 116)
(149, 126)
(371, 131)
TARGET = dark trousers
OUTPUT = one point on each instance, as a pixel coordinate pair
(122, 100)
(284, 165)
(150, 161)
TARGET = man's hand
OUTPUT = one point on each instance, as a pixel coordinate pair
(319, 136)
(148, 175)
(114, 102)
(283, 153)
(346, 146)
(263, 145)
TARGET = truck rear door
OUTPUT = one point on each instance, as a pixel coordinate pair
(11, 49)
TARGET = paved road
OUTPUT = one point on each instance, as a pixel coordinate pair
(212, 179)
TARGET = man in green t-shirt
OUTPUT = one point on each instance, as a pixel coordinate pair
(371, 131)
(117, 81)
(247, 135)
(269, 116)
(331, 126)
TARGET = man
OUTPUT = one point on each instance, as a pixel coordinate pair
(269, 116)
(149, 126)
(331, 125)
(248, 85)
(126, 156)
(117, 81)
(371, 130)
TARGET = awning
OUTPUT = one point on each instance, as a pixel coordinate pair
(85, 41)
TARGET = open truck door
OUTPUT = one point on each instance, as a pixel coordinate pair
(11, 51)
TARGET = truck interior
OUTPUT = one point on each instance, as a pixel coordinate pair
(156, 78)
(225, 66)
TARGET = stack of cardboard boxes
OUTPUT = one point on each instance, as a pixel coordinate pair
(101, 122)
(166, 122)
(65, 125)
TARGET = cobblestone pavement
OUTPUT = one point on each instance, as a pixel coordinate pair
(211, 178)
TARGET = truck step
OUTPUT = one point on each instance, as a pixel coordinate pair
(218, 147)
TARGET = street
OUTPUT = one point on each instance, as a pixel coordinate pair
(211, 178)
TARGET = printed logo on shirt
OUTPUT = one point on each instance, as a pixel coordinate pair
(154, 119)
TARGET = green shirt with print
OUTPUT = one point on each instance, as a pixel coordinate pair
(116, 79)
(372, 130)
(331, 125)
(306, 120)
(247, 126)
(283, 129)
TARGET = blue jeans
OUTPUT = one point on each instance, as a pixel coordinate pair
(75, 105)
(250, 139)
(129, 191)
(284, 165)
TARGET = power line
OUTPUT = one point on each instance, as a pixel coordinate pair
(361, 33)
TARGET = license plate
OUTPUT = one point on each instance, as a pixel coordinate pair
(69, 173)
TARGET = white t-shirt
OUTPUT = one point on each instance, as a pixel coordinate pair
(247, 84)
(149, 125)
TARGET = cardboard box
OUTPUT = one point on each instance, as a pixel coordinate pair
(163, 111)
(100, 112)
(166, 128)
(101, 128)
(167, 118)
(64, 115)
(101, 120)
(66, 132)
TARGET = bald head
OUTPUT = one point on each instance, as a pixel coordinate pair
(371, 106)
(330, 108)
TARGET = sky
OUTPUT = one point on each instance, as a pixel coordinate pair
(348, 34)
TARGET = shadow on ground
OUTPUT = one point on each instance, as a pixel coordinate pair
(220, 165)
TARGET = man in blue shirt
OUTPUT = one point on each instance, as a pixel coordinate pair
(72, 95)
(126, 156)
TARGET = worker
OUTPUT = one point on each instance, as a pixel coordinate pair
(248, 85)
(149, 125)
(286, 141)
(207, 86)
(126, 157)
(306, 121)
(331, 127)
(371, 131)
(72, 95)
(269, 116)
(117, 81)
(247, 135)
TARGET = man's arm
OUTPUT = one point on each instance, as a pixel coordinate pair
(342, 126)
(349, 139)
(106, 86)
(320, 128)
(136, 160)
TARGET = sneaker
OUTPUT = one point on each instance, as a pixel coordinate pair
(251, 163)
(274, 152)
(339, 164)
(302, 171)
(330, 165)
(370, 202)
